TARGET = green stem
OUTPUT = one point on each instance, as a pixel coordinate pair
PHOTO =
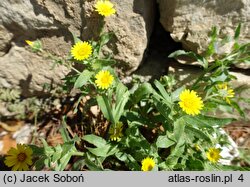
(75, 69)
(211, 96)
(78, 154)
(203, 74)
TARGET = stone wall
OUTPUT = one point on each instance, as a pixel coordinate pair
(53, 21)
(190, 21)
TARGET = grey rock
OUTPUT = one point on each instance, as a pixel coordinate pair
(190, 21)
(24, 69)
(132, 27)
(53, 21)
(5, 38)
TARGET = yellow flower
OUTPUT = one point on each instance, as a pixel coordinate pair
(225, 92)
(19, 158)
(105, 8)
(147, 164)
(213, 155)
(81, 50)
(30, 43)
(116, 132)
(104, 79)
(190, 102)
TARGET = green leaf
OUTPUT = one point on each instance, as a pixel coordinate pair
(92, 166)
(211, 47)
(220, 78)
(95, 140)
(69, 80)
(195, 165)
(128, 160)
(76, 39)
(105, 106)
(101, 63)
(197, 133)
(212, 167)
(179, 127)
(238, 108)
(171, 161)
(214, 33)
(200, 59)
(64, 132)
(39, 164)
(37, 151)
(175, 95)
(163, 92)
(213, 121)
(104, 151)
(79, 164)
(57, 154)
(120, 91)
(141, 92)
(83, 78)
(207, 121)
(76, 104)
(68, 149)
(36, 46)
(105, 37)
(64, 161)
(237, 32)
(136, 119)
(177, 53)
(164, 142)
(162, 107)
(47, 149)
(173, 158)
(119, 108)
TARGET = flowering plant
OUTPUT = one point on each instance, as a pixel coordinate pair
(150, 126)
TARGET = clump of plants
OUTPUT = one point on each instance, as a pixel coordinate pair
(151, 127)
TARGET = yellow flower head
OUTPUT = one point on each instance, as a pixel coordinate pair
(190, 102)
(116, 132)
(19, 158)
(147, 164)
(225, 92)
(105, 8)
(104, 79)
(81, 50)
(30, 43)
(213, 155)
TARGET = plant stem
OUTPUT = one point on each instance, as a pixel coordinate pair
(203, 74)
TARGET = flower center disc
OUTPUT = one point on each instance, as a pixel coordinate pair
(105, 80)
(150, 167)
(81, 52)
(188, 103)
(21, 157)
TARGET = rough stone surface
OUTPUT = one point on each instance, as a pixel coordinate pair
(5, 38)
(190, 21)
(132, 27)
(20, 67)
(53, 21)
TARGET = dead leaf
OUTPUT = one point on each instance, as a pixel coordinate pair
(11, 126)
(8, 142)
